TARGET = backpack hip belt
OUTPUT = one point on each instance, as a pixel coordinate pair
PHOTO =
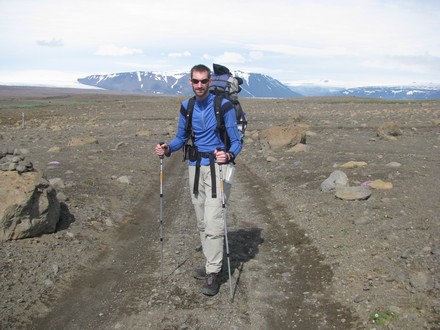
(201, 155)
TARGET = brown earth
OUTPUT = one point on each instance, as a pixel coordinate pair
(300, 258)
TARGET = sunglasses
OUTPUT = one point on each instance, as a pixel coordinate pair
(203, 81)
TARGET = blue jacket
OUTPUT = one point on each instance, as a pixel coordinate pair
(204, 125)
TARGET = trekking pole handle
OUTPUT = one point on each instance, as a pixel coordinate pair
(226, 154)
(161, 144)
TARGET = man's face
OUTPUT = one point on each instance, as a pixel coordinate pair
(200, 84)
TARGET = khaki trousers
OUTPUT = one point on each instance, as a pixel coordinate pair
(209, 214)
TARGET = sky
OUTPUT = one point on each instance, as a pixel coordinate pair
(328, 42)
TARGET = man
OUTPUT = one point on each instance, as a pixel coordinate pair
(204, 159)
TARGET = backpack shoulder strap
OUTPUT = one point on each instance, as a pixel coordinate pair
(218, 100)
(219, 116)
(189, 113)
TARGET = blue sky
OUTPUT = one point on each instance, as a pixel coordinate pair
(335, 42)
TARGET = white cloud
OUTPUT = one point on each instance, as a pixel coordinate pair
(412, 64)
(293, 50)
(183, 54)
(112, 50)
(50, 43)
(227, 58)
(256, 55)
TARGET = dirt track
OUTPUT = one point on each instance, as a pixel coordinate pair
(128, 292)
(299, 259)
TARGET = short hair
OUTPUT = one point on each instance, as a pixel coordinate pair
(201, 68)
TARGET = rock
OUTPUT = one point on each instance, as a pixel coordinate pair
(28, 206)
(279, 137)
(146, 133)
(271, 159)
(300, 147)
(21, 168)
(337, 178)
(389, 138)
(125, 179)
(393, 164)
(81, 141)
(54, 149)
(353, 164)
(379, 184)
(390, 128)
(57, 183)
(352, 193)
(421, 281)
(401, 277)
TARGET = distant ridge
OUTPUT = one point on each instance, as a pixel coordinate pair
(254, 84)
(393, 93)
(378, 92)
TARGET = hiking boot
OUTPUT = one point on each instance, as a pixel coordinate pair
(199, 273)
(211, 286)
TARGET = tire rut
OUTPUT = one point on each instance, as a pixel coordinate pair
(292, 278)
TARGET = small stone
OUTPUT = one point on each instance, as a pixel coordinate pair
(393, 165)
(353, 193)
(125, 179)
(400, 277)
(353, 164)
(379, 184)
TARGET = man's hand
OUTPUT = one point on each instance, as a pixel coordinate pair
(222, 156)
(161, 149)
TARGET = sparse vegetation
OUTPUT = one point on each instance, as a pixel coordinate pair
(383, 316)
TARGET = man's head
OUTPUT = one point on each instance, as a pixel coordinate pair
(200, 80)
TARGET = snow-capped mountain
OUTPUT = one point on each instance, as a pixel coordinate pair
(415, 92)
(254, 84)
(393, 93)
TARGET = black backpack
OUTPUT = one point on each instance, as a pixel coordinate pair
(224, 85)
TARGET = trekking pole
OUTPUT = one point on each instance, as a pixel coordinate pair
(226, 229)
(161, 213)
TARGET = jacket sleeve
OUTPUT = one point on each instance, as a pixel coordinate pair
(231, 128)
(181, 135)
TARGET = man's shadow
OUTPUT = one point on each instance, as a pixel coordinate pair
(243, 246)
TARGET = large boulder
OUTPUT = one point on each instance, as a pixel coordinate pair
(28, 205)
(280, 136)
